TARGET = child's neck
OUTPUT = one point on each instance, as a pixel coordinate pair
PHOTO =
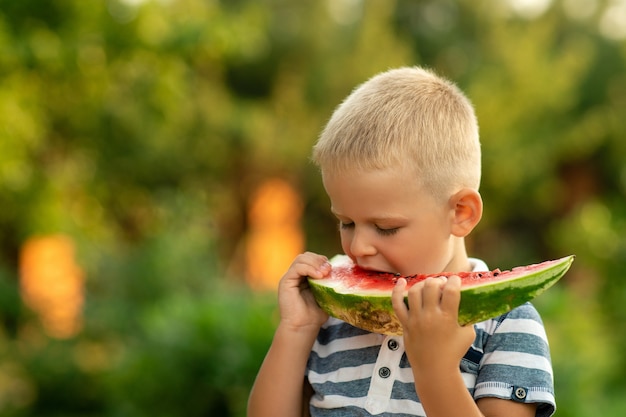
(459, 262)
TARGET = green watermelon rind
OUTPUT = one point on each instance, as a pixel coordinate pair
(375, 313)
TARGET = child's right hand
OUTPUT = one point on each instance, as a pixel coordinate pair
(298, 308)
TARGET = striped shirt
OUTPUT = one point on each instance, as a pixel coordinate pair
(357, 373)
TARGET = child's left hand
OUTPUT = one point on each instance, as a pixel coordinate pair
(434, 341)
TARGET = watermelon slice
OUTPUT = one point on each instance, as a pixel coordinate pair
(362, 298)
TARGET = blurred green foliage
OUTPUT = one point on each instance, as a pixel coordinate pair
(140, 128)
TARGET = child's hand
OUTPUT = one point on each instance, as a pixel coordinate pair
(434, 341)
(298, 308)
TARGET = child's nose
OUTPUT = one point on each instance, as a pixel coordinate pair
(361, 244)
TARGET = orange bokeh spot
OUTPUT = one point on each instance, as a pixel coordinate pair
(275, 235)
(52, 284)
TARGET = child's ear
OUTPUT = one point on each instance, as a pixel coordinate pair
(466, 210)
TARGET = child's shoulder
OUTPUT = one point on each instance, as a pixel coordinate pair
(526, 311)
(522, 319)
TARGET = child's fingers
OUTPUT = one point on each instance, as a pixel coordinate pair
(451, 295)
(317, 271)
(397, 301)
(312, 265)
(431, 293)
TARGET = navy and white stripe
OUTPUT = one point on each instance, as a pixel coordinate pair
(509, 359)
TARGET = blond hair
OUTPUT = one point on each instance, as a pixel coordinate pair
(407, 118)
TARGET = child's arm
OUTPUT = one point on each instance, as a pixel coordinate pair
(435, 344)
(278, 389)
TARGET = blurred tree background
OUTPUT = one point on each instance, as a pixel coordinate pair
(134, 135)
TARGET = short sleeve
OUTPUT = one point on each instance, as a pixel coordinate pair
(516, 362)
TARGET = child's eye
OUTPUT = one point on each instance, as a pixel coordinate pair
(346, 225)
(388, 231)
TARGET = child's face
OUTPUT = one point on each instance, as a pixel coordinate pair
(388, 223)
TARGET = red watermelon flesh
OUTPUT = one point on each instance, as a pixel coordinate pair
(353, 276)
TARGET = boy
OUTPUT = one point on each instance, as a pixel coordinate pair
(400, 162)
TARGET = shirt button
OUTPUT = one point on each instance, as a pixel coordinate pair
(393, 344)
(520, 393)
(384, 372)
